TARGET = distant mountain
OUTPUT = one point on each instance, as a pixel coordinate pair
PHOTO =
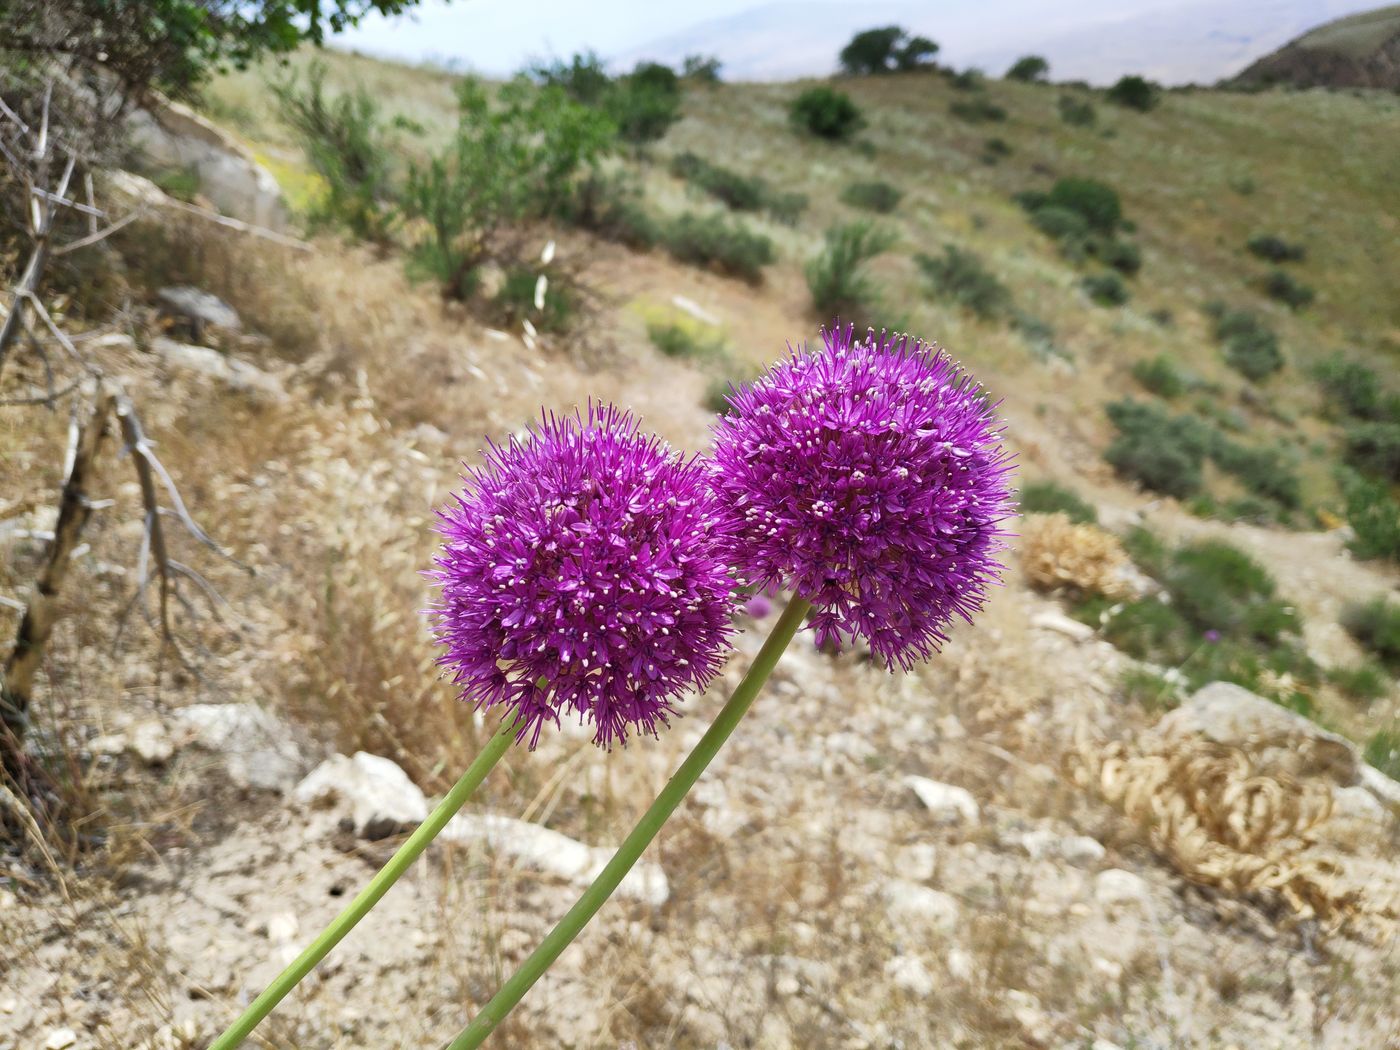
(1360, 51)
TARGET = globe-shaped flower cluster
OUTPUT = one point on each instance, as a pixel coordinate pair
(584, 573)
(869, 477)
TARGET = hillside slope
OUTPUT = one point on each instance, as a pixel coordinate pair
(1358, 51)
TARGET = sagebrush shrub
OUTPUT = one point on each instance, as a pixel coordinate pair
(960, 275)
(1160, 452)
(1161, 376)
(877, 196)
(836, 275)
(1059, 223)
(1275, 249)
(1374, 517)
(737, 191)
(1355, 390)
(1134, 92)
(1123, 256)
(1374, 448)
(1288, 290)
(1251, 347)
(1376, 626)
(1096, 201)
(826, 113)
(1105, 289)
(714, 241)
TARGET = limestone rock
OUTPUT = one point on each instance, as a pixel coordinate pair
(372, 792)
(908, 902)
(257, 747)
(1116, 887)
(947, 803)
(233, 373)
(908, 973)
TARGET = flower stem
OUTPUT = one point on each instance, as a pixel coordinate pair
(371, 894)
(569, 927)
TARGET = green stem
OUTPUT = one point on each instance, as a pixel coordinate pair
(371, 894)
(569, 927)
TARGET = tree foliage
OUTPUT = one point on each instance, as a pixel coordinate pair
(886, 50)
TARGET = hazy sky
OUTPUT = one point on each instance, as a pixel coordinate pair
(1094, 39)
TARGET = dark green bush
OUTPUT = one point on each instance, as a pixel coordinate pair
(611, 206)
(967, 80)
(1160, 452)
(1261, 470)
(1076, 112)
(1049, 497)
(977, 110)
(1133, 92)
(887, 49)
(960, 275)
(1275, 249)
(1251, 347)
(1123, 256)
(1374, 517)
(739, 192)
(836, 275)
(347, 144)
(1376, 627)
(1060, 223)
(1287, 289)
(645, 103)
(1029, 69)
(1096, 201)
(1161, 376)
(584, 78)
(826, 113)
(785, 207)
(875, 196)
(1105, 289)
(701, 69)
(1374, 448)
(1383, 752)
(1150, 629)
(713, 241)
(994, 150)
(1353, 389)
(1217, 587)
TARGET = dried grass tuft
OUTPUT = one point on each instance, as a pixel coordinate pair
(1057, 552)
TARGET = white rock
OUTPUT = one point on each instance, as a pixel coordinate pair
(258, 748)
(909, 973)
(543, 849)
(377, 795)
(1104, 1044)
(960, 964)
(9, 1004)
(150, 741)
(948, 804)
(226, 369)
(1041, 843)
(916, 862)
(907, 901)
(1062, 624)
(282, 927)
(1116, 886)
(60, 1039)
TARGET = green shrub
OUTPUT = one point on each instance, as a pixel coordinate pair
(1028, 70)
(515, 301)
(347, 146)
(1149, 629)
(994, 150)
(886, 50)
(1096, 201)
(1251, 347)
(826, 113)
(701, 69)
(675, 340)
(960, 275)
(785, 207)
(1059, 223)
(878, 196)
(1352, 389)
(1133, 92)
(1160, 452)
(1383, 752)
(611, 206)
(1161, 376)
(1049, 497)
(1275, 249)
(1105, 289)
(967, 80)
(1365, 681)
(645, 103)
(1374, 448)
(1123, 256)
(1261, 470)
(739, 192)
(1376, 627)
(977, 110)
(1374, 517)
(584, 78)
(1149, 690)
(836, 275)
(509, 161)
(713, 241)
(1076, 112)
(1287, 289)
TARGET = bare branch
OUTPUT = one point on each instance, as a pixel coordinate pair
(99, 235)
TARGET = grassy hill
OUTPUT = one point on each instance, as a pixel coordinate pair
(1358, 51)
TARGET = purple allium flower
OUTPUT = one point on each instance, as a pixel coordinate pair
(584, 572)
(758, 606)
(868, 477)
(1212, 636)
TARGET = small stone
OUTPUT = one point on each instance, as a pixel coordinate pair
(1062, 624)
(960, 964)
(1116, 886)
(149, 741)
(282, 927)
(60, 1039)
(947, 803)
(787, 985)
(908, 901)
(378, 795)
(908, 973)
(9, 1004)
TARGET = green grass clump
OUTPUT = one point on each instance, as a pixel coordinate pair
(960, 275)
(1059, 223)
(1049, 497)
(1374, 449)
(1383, 752)
(1076, 112)
(977, 110)
(714, 242)
(515, 301)
(1161, 376)
(1105, 289)
(1159, 451)
(1251, 347)
(1123, 256)
(737, 191)
(1217, 587)
(1149, 690)
(877, 196)
(1288, 290)
(1376, 627)
(1275, 249)
(1350, 388)
(680, 341)
(826, 113)
(1365, 681)
(836, 275)
(1374, 517)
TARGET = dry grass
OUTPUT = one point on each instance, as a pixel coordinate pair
(1057, 553)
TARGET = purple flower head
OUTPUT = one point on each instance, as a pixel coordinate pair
(584, 572)
(870, 478)
(1212, 636)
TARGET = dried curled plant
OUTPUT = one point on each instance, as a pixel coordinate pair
(1056, 552)
(1223, 823)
